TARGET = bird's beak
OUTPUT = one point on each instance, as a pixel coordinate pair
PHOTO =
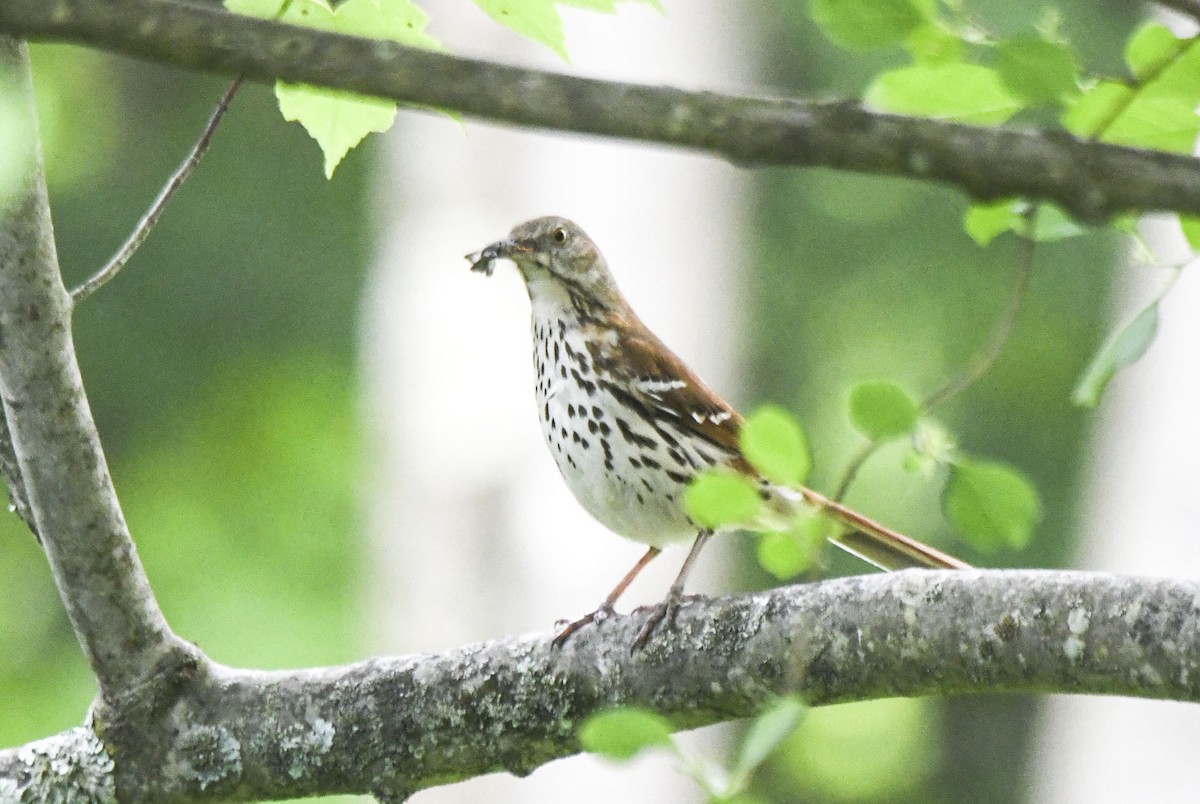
(484, 261)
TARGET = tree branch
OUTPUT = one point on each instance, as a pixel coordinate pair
(1091, 180)
(68, 490)
(395, 726)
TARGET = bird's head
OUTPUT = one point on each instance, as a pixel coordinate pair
(553, 250)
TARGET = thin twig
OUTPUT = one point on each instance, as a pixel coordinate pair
(986, 357)
(856, 464)
(142, 230)
(983, 361)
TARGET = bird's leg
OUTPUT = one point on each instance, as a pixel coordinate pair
(665, 612)
(606, 608)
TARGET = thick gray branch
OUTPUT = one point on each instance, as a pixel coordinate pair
(1091, 180)
(394, 726)
(69, 492)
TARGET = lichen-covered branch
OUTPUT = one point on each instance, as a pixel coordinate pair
(1091, 180)
(393, 726)
(68, 491)
(72, 766)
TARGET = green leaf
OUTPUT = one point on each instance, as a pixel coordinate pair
(775, 445)
(539, 20)
(1038, 71)
(786, 554)
(782, 555)
(866, 24)
(623, 733)
(1090, 113)
(1123, 349)
(967, 93)
(766, 733)
(397, 20)
(338, 121)
(882, 410)
(1160, 112)
(1191, 231)
(266, 9)
(1053, 224)
(1151, 48)
(1178, 77)
(932, 44)
(717, 499)
(992, 505)
(984, 221)
(1165, 122)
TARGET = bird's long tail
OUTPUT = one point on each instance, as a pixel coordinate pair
(876, 543)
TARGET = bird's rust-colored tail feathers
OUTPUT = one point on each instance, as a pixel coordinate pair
(878, 544)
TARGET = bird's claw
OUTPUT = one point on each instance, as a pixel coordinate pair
(663, 614)
(602, 612)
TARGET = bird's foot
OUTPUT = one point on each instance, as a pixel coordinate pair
(602, 612)
(663, 614)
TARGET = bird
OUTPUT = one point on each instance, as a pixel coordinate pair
(630, 425)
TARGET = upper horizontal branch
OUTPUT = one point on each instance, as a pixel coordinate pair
(394, 726)
(1091, 180)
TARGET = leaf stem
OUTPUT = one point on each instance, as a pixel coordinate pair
(856, 464)
(1003, 328)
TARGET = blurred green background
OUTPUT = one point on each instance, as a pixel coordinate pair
(221, 369)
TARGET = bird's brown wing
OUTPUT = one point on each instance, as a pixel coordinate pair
(667, 390)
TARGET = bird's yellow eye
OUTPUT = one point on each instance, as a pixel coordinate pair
(559, 235)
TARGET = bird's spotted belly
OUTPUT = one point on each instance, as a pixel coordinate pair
(609, 456)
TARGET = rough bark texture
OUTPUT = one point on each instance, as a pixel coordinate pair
(1091, 180)
(393, 726)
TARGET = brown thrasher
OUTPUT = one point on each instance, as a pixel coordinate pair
(630, 425)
